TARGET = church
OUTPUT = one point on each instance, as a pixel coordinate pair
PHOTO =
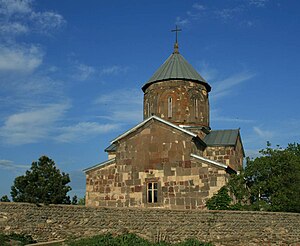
(172, 159)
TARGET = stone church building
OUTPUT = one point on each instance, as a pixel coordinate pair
(172, 159)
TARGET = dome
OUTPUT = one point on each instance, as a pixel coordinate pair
(176, 67)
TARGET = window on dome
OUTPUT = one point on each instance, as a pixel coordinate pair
(196, 108)
(170, 107)
(148, 109)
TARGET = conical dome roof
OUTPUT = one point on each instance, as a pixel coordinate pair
(176, 67)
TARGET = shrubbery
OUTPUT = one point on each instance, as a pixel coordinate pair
(128, 240)
(19, 239)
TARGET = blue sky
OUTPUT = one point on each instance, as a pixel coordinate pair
(71, 73)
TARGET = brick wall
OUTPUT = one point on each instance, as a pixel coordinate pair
(220, 227)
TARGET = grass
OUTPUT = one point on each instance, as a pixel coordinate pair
(127, 240)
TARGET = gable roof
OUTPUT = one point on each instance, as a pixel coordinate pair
(154, 117)
(102, 164)
(176, 67)
(222, 137)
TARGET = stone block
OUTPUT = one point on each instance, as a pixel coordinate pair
(129, 182)
(138, 188)
(180, 201)
(171, 189)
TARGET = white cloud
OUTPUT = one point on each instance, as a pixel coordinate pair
(129, 116)
(207, 72)
(198, 6)
(197, 11)
(83, 72)
(248, 23)
(41, 85)
(84, 130)
(224, 87)
(228, 13)
(276, 132)
(11, 7)
(18, 17)
(115, 69)
(265, 134)
(181, 22)
(33, 125)
(121, 116)
(47, 21)
(10, 165)
(121, 97)
(28, 92)
(20, 58)
(13, 28)
(122, 105)
(258, 3)
(232, 11)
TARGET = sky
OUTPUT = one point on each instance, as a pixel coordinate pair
(71, 73)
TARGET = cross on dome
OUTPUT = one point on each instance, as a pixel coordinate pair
(176, 30)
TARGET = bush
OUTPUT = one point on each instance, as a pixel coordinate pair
(219, 201)
(22, 239)
(127, 239)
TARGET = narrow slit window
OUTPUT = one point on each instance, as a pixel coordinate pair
(148, 109)
(152, 192)
(196, 106)
(170, 107)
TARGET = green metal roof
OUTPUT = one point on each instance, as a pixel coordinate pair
(111, 148)
(222, 137)
(176, 67)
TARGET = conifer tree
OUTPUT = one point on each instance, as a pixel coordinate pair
(43, 183)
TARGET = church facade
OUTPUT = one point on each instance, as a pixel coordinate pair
(172, 159)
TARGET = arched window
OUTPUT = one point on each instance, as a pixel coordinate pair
(169, 107)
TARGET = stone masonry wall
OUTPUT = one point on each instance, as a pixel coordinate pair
(190, 104)
(156, 154)
(229, 155)
(183, 188)
(220, 227)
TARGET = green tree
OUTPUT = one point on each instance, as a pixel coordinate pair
(43, 183)
(274, 179)
(81, 201)
(4, 199)
(219, 201)
(74, 200)
(238, 190)
(270, 182)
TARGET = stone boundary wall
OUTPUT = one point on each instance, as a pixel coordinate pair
(55, 222)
